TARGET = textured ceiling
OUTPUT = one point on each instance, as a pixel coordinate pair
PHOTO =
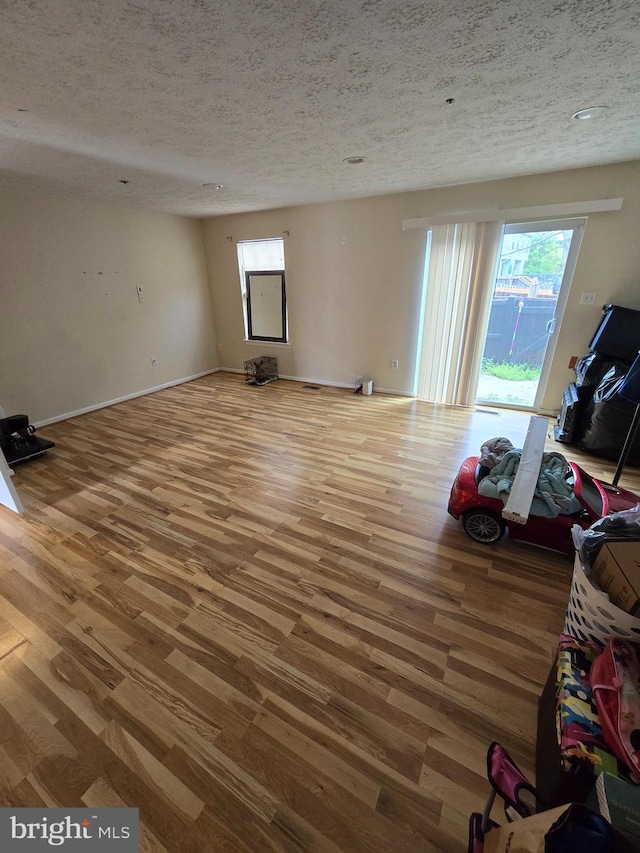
(268, 97)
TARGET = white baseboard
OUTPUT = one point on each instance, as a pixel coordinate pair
(309, 381)
(376, 388)
(67, 415)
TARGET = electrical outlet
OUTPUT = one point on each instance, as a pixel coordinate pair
(395, 364)
(140, 293)
(588, 299)
(154, 361)
(343, 241)
(353, 378)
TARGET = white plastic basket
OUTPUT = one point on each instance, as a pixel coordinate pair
(592, 618)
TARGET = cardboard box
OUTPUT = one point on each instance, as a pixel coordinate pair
(618, 801)
(616, 570)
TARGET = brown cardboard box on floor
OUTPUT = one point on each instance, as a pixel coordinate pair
(616, 570)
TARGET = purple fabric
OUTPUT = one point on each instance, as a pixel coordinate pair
(508, 780)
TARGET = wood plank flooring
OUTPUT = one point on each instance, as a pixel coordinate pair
(246, 611)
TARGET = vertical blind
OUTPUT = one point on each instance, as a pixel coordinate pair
(458, 278)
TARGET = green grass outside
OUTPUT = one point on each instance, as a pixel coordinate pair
(514, 372)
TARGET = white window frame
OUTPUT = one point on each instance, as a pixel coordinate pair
(261, 269)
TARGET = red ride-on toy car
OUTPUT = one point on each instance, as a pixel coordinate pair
(482, 517)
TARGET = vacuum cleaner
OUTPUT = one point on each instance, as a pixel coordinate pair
(18, 440)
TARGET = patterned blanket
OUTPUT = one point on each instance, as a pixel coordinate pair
(553, 494)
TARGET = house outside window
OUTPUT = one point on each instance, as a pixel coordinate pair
(262, 282)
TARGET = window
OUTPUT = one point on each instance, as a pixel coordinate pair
(261, 266)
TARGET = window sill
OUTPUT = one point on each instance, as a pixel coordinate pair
(265, 343)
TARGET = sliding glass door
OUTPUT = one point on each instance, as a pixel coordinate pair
(529, 293)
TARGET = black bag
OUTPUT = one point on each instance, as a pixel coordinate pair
(608, 418)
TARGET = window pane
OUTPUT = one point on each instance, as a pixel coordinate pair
(266, 306)
(264, 302)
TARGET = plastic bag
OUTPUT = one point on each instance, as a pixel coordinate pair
(567, 829)
(606, 419)
(621, 526)
(591, 368)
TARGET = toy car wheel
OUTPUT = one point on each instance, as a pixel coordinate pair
(483, 525)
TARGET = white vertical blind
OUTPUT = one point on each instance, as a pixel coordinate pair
(485, 261)
(459, 273)
(448, 281)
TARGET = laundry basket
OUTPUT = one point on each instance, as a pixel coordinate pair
(591, 617)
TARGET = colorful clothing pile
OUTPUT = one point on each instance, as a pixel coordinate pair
(580, 736)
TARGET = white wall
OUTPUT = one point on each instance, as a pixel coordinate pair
(354, 307)
(72, 331)
(73, 334)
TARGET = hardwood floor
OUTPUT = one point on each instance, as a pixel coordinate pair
(246, 611)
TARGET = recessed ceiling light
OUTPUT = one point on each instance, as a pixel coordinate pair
(214, 186)
(589, 112)
(353, 161)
